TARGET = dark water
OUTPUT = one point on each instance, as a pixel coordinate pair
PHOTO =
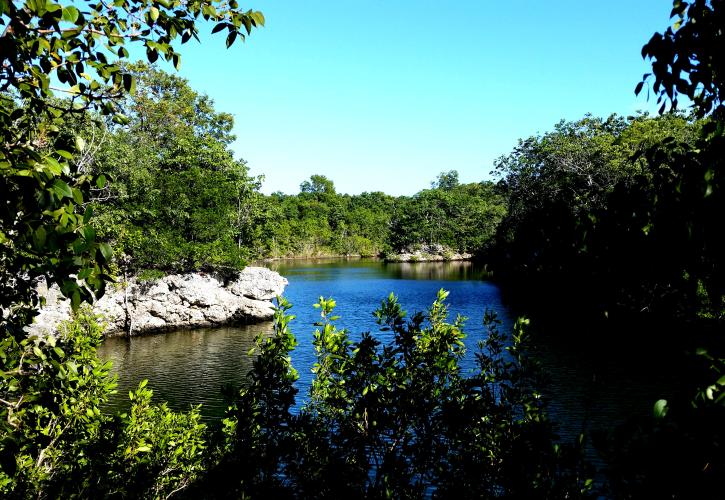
(183, 368)
(591, 385)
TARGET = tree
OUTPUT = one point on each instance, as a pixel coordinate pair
(687, 58)
(44, 42)
(679, 452)
(74, 50)
(318, 185)
(179, 200)
(461, 217)
(578, 204)
(446, 180)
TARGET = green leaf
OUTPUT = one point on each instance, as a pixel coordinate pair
(101, 181)
(121, 119)
(53, 8)
(70, 33)
(129, 83)
(87, 215)
(258, 18)
(70, 14)
(230, 38)
(77, 196)
(37, 6)
(106, 251)
(660, 409)
(53, 165)
(89, 233)
(154, 13)
(61, 189)
(39, 237)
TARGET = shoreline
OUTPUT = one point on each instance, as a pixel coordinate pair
(324, 256)
(392, 258)
(175, 301)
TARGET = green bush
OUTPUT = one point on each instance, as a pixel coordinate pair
(57, 386)
(398, 420)
(59, 443)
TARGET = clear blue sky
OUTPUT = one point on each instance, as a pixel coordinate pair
(384, 95)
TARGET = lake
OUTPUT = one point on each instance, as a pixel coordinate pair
(593, 384)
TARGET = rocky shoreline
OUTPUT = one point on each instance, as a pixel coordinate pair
(427, 253)
(193, 300)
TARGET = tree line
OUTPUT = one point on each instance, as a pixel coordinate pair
(606, 208)
(172, 197)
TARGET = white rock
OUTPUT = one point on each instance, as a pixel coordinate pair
(175, 301)
(258, 283)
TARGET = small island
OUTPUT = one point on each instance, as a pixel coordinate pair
(427, 253)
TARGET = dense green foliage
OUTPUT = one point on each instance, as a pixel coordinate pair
(319, 221)
(682, 454)
(628, 210)
(171, 196)
(687, 58)
(462, 217)
(397, 420)
(72, 50)
(581, 203)
(177, 199)
(61, 411)
(64, 445)
(151, 216)
(51, 388)
(626, 214)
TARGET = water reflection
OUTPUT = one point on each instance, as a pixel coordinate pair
(326, 269)
(183, 367)
(449, 271)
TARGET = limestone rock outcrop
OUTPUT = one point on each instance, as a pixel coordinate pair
(176, 301)
(427, 253)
